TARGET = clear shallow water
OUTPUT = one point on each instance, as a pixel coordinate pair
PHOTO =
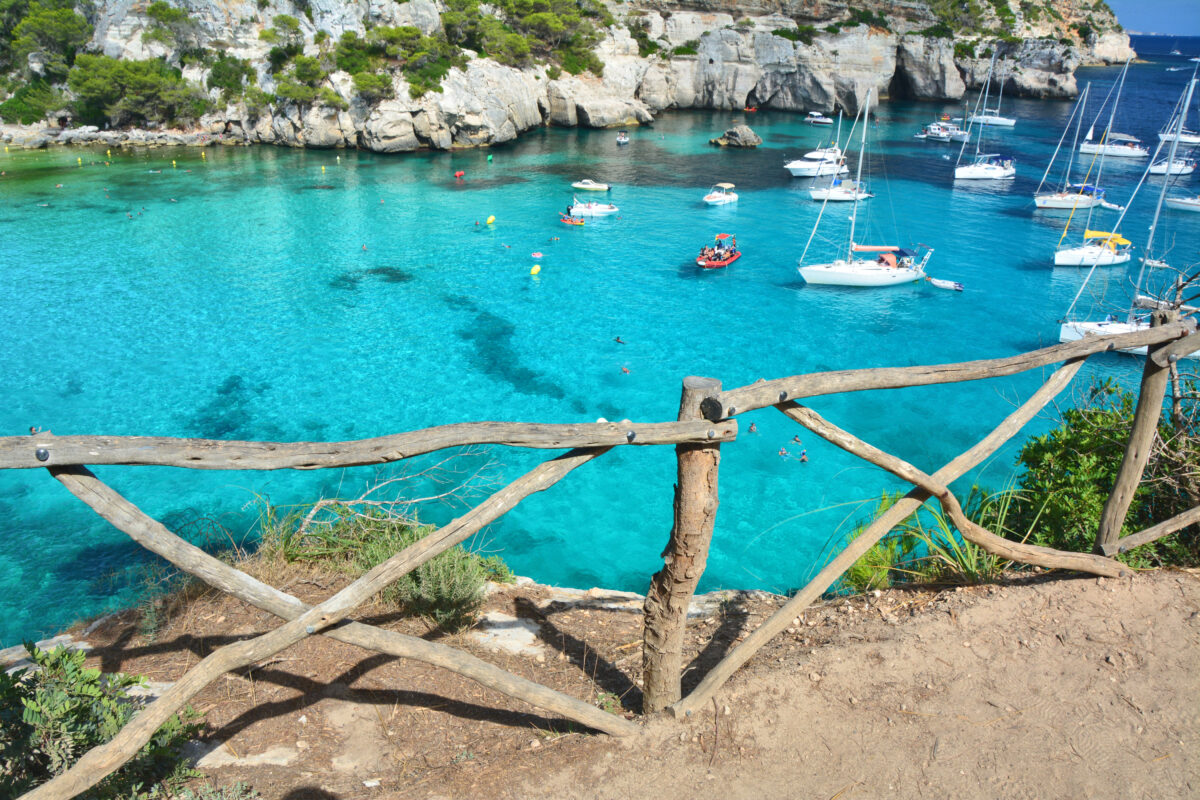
(232, 298)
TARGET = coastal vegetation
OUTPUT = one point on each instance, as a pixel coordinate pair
(1064, 480)
(58, 709)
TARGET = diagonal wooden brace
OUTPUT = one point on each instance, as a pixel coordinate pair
(102, 760)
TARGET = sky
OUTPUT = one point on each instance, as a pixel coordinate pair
(1176, 17)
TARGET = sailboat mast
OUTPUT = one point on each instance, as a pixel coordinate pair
(970, 119)
(987, 85)
(1075, 142)
(1162, 194)
(862, 156)
(1104, 140)
(1077, 117)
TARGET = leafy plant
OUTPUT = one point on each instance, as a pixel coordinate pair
(1073, 468)
(689, 48)
(52, 714)
(31, 103)
(230, 75)
(53, 34)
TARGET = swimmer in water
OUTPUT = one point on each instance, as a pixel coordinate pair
(625, 370)
(619, 340)
(753, 428)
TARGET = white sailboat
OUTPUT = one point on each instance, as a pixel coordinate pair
(1180, 166)
(986, 166)
(1113, 144)
(1098, 248)
(1072, 195)
(1072, 330)
(892, 266)
(1186, 136)
(840, 191)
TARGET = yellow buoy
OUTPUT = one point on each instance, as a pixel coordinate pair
(79, 161)
(172, 163)
(536, 269)
(108, 153)
(203, 154)
(339, 159)
(322, 170)
(490, 220)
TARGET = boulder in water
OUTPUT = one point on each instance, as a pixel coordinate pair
(738, 136)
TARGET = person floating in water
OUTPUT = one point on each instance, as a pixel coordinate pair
(619, 340)
(753, 428)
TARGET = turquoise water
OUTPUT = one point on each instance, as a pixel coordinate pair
(232, 297)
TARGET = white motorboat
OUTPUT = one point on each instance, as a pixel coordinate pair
(991, 116)
(1073, 197)
(1179, 166)
(817, 118)
(1184, 203)
(808, 168)
(840, 192)
(830, 153)
(590, 209)
(942, 132)
(987, 166)
(891, 266)
(589, 185)
(721, 194)
(1074, 331)
(1099, 249)
(1118, 145)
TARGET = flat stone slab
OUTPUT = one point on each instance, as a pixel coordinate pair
(499, 631)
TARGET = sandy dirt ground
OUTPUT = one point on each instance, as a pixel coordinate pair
(1041, 688)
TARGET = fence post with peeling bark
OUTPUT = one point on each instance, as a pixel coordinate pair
(672, 588)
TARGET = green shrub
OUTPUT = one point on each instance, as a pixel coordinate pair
(859, 16)
(372, 87)
(834, 29)
(560, 31)
(31, 103)
(53, 33)
(964, 50)
(447, 589)
(689, 48)
(939, 30)
(321, 36)
(639, 29)
(329, 97)
(52, 715)
(230, 75)
(1071, 471)
(802, 33)
(257, 101)
(132, 92)
(553, 72)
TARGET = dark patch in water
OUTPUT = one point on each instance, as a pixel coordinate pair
(349, 281)
(491, 338)
(391, 274)
(73, 387)
(458, 301)
(226, 415)
(320, 186)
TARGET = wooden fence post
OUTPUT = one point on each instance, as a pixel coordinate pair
(672, 588)
(1137, 450)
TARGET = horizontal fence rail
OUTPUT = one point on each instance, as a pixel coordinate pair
(705, 423)
(46, 450)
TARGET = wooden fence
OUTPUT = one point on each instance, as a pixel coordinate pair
(706, 420)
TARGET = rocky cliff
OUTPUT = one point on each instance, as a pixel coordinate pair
(658, 54)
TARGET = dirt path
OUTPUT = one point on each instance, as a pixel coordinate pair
(1077, 688)
(1050, 688)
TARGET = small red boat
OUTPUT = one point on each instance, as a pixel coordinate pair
(571, 220)
(721, 253)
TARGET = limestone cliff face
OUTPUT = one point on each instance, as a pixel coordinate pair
(724, 54)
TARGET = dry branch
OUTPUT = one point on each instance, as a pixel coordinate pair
(770, 393)
(46, 450)
(103, 760)
(893, 516)
(156, 538)
(996, 545)
(1155, 532)
(1176, 350)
